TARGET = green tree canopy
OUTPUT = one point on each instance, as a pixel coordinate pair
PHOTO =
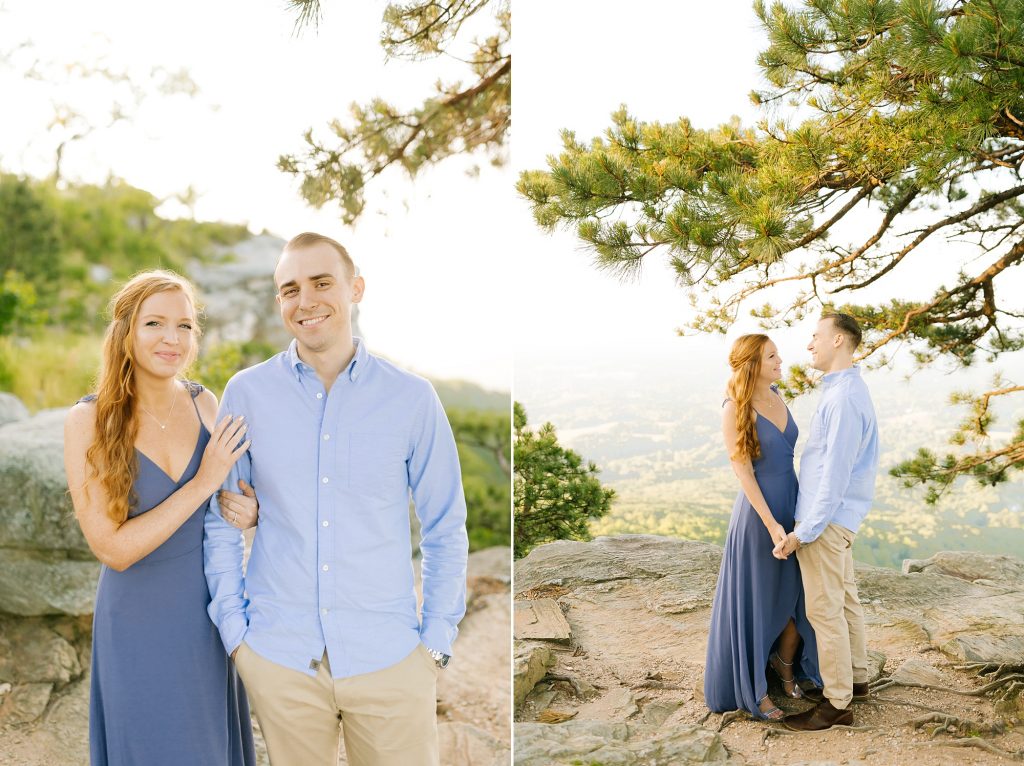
(555, 493)
(458, 118)
(484, 446)
(66, 243)
(905, 126)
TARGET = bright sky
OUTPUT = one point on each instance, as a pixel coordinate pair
(579, 61)
(438, 297)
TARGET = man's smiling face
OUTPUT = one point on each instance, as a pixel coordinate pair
(315, 293)
(824, 343)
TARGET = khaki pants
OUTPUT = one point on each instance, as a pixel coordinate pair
(388, 717)
(834, 610)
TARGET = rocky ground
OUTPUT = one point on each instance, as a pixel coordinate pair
(46, 723)
(47, 585)
(626, 686)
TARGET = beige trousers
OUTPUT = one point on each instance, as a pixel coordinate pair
(834, 611)
(388, 717)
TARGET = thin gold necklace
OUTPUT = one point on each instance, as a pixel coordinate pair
(174, 400)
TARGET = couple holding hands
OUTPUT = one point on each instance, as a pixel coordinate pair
(798, 615)
(326, 443)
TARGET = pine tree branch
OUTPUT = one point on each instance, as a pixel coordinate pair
(985, 204)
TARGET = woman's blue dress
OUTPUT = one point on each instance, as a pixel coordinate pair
(164, 693)
(757, 593)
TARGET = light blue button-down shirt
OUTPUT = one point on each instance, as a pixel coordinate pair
(840, 460)
(330, 565)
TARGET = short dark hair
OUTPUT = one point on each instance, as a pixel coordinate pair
(847, 325)
(310, 238)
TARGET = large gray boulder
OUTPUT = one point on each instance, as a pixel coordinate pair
(678, 576)
(238, 294)
(32, 651)
(969, 605)
(990, 569)
(11, 408)
(237, 291)
(45, 564)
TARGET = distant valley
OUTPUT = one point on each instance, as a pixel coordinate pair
(652, 426)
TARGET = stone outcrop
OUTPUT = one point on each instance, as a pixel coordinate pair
(47, 573)
(965, 565)
(46, 567)
(238, 293)
(473, 692)
(638, 608)
(968, 618)
(11, 408)
(531, 665)
(576, 742)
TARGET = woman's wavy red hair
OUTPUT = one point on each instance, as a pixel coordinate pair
(111, 456)
(745, 361)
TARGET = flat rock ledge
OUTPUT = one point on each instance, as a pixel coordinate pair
(615, 744)
(627, 686)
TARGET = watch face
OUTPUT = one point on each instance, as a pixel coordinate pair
(444, 660)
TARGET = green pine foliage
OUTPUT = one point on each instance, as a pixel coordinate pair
(556, 495)
(457, 119)
(906, 113)
(483, 439)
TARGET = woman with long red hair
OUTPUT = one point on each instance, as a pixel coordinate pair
(143, 457)
(758, 619)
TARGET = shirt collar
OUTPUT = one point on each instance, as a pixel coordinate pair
(354, 368)
(834, 377)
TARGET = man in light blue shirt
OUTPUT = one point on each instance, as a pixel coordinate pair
(837, 484)
(324, 624)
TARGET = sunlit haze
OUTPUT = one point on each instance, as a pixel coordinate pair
(433, 252)
(579, 62)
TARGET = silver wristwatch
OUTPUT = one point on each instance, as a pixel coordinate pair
(440, 658)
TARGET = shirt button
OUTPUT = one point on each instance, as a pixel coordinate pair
(327, 523)
(323, 611)
(325, 479)
(319, 395)
(325, 567)
(327, 437)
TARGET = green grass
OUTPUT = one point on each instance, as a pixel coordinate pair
(53, 368)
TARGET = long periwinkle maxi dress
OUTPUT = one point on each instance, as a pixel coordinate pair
(757, 593)
(164, 693)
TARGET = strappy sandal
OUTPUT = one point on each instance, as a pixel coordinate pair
(773, 713)
(789, 686)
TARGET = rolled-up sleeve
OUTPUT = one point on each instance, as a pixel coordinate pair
(844, 431)
(223, 548)
(436, 484)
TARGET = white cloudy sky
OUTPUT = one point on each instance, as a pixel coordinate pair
(438, 298)
(576, 62)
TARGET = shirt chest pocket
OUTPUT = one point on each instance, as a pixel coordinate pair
(376, 466)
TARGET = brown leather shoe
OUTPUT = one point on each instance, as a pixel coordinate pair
(813, 693)
(861, 693)
(822, 716)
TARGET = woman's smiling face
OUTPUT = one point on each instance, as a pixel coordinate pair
(164, 338)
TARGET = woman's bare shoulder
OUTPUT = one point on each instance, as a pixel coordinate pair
(206, 401)
(80, 426)
(81, 415)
